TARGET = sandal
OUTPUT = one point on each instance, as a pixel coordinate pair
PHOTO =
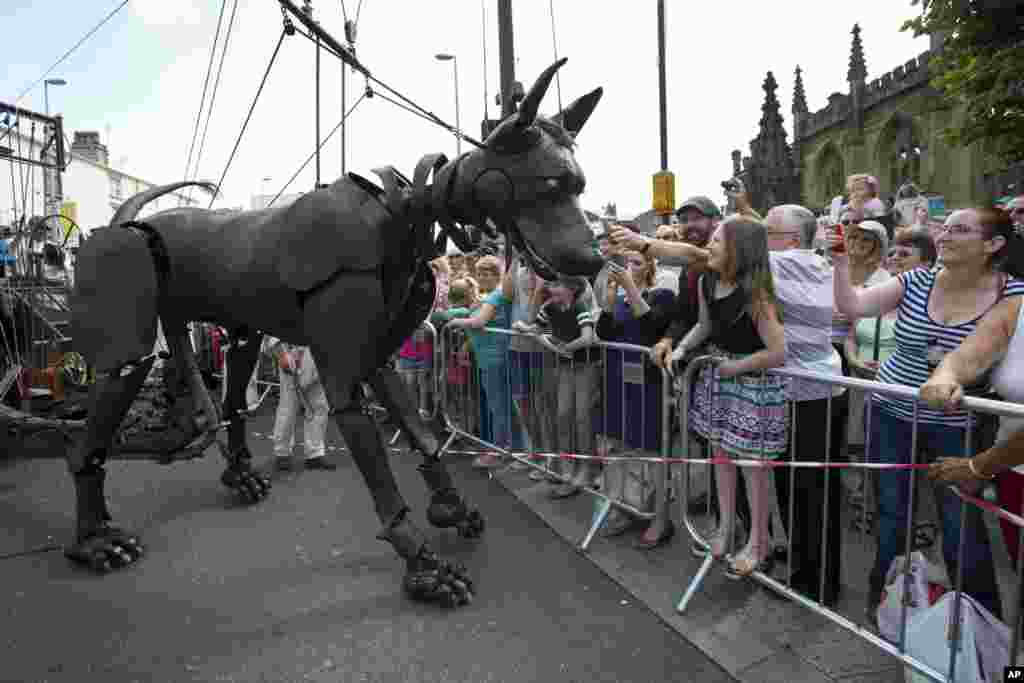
(743, 565)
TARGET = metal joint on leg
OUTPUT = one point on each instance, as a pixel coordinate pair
(402, 535)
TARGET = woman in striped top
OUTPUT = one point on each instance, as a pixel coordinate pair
(937, 310)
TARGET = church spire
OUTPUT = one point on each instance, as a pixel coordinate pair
(858, 71)
(799, 98)
(771, 119)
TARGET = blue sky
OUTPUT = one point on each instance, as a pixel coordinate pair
(142, 73)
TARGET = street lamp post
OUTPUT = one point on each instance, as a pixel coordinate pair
(443, 57)
(51, 178)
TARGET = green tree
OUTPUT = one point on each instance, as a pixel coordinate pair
(981, 66)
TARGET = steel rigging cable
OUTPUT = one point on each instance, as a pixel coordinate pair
(73, 48)
(310, 157)
(248, 116)
(202, 99)
(213, 94)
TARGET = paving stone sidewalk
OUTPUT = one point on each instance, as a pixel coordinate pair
(748, 630)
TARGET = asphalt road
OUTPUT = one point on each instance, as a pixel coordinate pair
(297, 588)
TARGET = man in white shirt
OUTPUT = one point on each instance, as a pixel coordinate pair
(803, 286)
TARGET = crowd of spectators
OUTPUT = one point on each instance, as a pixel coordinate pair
(855, 291)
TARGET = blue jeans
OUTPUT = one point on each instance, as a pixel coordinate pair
(494, 382)
(891, 443)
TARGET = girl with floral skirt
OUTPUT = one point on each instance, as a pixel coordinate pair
(743, 413)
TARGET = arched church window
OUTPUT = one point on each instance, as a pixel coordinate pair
(831, 173)
(901, 151)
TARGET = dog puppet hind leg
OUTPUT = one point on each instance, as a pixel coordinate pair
(239, 475)
(447, 508)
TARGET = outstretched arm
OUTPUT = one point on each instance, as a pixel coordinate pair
(687, 253)
(478, 320)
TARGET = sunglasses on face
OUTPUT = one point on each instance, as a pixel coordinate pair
(1019, 209)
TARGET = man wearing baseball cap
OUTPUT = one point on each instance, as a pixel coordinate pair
(698, 217)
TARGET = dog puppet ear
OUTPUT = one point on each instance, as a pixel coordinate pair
(528, 109)
(576, 114)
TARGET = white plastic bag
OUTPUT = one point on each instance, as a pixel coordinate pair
(985, 641)
(924, 577)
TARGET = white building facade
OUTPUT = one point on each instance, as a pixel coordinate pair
(91, 189)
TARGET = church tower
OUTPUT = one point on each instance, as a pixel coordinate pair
(771, 174)
(857, 76)
(800, 114)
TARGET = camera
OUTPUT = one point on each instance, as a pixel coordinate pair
(730, 185)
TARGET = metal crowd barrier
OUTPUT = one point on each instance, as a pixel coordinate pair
(459, 397)
(426, 328)
(897, 649)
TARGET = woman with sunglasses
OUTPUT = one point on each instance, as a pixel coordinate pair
(937, 310)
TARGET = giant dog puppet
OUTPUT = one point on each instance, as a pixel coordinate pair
(342, 270)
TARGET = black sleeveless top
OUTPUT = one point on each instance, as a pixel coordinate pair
(732, 328)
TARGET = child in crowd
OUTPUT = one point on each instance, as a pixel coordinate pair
(415, 358)
(740, 321)
(491, 351)
(525, 364)
(636, 312)
(568, 318)
(463, 297)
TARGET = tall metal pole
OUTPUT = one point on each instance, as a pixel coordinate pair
(483, 34)
(344, 108)
(47, 178)
(506, 56)
(317, 186)
(458, 125)
(662, 106)
(307, 9)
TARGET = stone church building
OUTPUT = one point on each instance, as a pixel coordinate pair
(889, 127)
